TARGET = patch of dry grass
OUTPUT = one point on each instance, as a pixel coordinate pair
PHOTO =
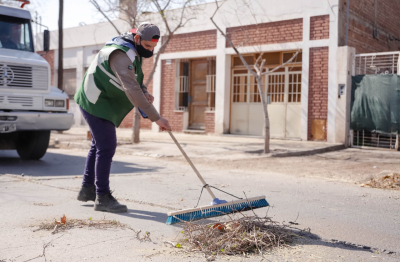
(390, 181)
(66, 224)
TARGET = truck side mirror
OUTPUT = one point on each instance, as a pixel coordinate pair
(46, 40)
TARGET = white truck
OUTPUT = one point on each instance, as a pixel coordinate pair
(29, 107)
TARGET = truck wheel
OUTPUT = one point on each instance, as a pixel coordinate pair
(32, 144)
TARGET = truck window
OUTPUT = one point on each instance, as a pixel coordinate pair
(15, 33)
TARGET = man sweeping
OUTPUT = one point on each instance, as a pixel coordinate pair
(112, 85)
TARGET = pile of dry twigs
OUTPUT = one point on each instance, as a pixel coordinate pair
(241, 235)
(64, 224)
(390, 181)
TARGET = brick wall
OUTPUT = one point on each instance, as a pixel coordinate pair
(144, 123)
(319, 27)
(362, 23)
(168, 96)
(267, 33)
(318, 86)
(210, 122)
(203, 40)
(49, 57)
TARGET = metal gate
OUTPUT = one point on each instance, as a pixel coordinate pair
(387, 63)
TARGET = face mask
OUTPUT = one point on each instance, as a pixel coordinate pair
(143, 52)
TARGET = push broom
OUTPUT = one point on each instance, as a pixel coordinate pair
(217, 207)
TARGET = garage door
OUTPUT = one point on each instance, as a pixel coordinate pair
(284, 108)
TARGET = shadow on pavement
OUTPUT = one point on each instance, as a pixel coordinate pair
(313, 239)
(53, 164)
(146, 215)
(155, 216)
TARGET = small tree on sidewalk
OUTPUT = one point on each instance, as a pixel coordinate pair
(133, 13)
(257, 72)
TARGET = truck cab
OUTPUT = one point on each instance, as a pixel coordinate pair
(29, 106)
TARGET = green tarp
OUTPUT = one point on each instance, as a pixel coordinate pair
(375, 103)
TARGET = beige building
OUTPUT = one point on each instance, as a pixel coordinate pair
(201, 86)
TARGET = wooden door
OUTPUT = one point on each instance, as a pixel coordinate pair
(198, 95)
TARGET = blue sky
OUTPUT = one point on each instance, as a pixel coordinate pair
(75, 12)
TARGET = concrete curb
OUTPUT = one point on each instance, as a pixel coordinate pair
(129, 151)
(121, 150)
(310, 152)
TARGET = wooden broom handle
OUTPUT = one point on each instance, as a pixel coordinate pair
(191, 164)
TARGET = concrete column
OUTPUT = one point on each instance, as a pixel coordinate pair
(345, 57)
(55, 79)
(79, 66)
(332, 72)
(222, 86)
(305, 78)
(157, 92)
(79, 77)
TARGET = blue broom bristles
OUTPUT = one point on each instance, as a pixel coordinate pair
(217, 211)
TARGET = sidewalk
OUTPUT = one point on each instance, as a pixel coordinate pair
(201, 146)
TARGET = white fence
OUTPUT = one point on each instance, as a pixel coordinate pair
(376, 63)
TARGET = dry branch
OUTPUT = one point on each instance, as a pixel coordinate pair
(240, 235)
(57, 227)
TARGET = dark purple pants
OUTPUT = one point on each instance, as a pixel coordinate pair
(98, 162)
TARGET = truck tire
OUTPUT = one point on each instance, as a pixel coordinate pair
(32, 145)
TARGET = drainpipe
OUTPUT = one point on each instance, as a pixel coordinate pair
(347, 22)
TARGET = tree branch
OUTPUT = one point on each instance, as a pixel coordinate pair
(282, 65)
(96, 5)
(230, 42)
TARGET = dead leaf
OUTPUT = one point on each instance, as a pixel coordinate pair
(219, 226)
(63, 219)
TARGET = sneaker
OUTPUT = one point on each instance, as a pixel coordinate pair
(109, 204)
(87, 194)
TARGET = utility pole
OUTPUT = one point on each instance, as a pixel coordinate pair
(60, 46)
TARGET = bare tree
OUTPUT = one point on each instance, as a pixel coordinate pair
(257, 72)
(134, 11)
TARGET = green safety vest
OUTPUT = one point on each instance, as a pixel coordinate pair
(101, 93)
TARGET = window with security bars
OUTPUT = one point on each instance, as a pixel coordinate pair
(182, 86)
(210, 86)
(276, 88)
(240, 89)
(294, 95)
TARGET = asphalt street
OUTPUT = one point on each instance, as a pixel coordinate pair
(347, 222)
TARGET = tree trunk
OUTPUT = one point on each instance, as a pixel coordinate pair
(136, 126)
(265, 109)
(60, 46)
